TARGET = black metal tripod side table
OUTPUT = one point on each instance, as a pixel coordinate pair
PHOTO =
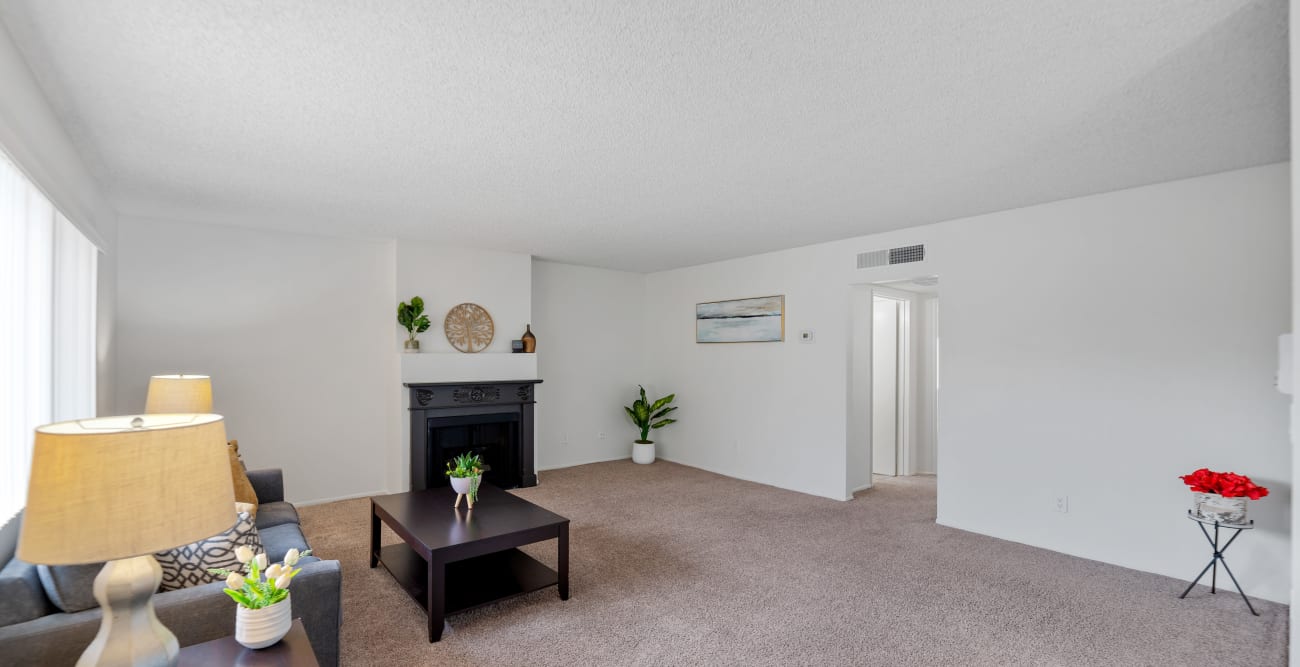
(1217, 559)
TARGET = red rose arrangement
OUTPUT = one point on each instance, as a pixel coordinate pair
(1226, 484)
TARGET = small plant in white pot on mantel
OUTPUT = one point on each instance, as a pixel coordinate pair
(263, 616)
(648, 416)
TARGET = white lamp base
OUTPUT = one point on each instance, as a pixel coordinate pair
(130, 633)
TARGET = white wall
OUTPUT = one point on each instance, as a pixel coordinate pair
(925, 320)
(1137, 344)
(296, 330)
(1098, 347)
(858, 464)
(300, 335)
(32, 136)
(768, 412)
(1295, 327)
(445, 276)
(591, 354)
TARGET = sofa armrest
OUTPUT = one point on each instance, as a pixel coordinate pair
(317, 595)
(268, 484)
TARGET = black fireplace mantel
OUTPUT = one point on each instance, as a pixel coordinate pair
(437, 401)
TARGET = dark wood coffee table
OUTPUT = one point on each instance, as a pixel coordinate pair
(454, 559)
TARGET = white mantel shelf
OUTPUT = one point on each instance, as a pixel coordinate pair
(461, 367)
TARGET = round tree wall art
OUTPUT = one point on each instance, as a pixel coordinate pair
(469, 327)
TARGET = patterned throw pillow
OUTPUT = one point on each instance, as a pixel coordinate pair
(188, 565)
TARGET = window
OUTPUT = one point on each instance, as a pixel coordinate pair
(47, 325)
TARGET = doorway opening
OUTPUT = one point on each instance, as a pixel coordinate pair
(894, 388)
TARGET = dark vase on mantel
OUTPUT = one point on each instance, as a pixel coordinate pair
(530, 341)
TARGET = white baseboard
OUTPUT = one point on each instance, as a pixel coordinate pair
(754, 481)
(583, 463)
(322, 501)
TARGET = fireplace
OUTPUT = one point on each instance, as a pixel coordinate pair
(491, 419)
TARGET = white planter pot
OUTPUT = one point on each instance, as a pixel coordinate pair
(461, 484)
(1214, 507)
(260, 628)
(643, 452)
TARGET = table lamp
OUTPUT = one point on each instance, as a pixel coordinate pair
(119, 489)
(178, 394)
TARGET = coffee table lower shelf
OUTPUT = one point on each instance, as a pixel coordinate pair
(472, 582)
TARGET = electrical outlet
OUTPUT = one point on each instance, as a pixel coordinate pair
(601, 435)
(1062, 504)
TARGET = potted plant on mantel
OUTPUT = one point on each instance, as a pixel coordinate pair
(647, 416)
(466, 473)
(412, 318)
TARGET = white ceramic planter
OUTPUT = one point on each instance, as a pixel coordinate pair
(461, 484)
(643, 452)
(260, 628)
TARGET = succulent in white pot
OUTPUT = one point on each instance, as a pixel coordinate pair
(466, 473)
(263, 615)
(648, 416)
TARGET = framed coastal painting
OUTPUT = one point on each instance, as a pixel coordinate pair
(757, 320)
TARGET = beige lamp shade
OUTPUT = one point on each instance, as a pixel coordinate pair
(179, 394)
(115, 487)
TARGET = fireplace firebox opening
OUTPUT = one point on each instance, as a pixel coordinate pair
(493, 437)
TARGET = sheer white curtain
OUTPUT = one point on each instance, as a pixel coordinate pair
(76, 262)
(47, 326)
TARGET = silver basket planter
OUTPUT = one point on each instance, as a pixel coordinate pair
(1214, 507)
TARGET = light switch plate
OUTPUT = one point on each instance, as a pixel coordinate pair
(807, 336)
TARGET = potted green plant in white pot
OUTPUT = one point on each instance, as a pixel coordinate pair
(466, 474)
(412, 318)
(647, 416)
(264, 615)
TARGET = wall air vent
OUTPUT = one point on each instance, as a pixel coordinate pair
(867, 260)
(903, 255)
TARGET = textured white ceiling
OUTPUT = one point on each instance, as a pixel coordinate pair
(648, 135)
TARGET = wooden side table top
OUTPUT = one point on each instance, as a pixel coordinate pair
(292, 651)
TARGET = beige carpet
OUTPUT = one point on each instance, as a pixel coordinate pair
(676, 566)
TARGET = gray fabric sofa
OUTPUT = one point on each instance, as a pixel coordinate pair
(33, 631)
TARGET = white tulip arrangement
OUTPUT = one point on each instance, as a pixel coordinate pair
(263, 585)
